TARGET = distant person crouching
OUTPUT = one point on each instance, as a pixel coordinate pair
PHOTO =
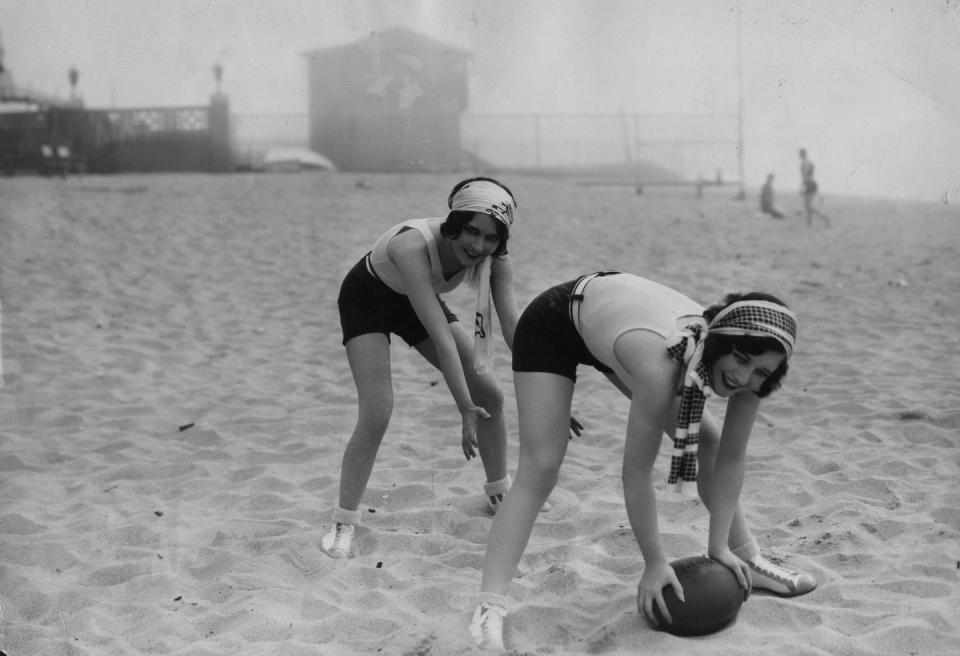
(767, 205)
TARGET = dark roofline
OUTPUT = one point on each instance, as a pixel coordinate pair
(390, 34)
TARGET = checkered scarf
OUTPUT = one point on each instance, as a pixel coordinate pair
(753, 318)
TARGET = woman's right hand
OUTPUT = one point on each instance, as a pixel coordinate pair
(471, 419)
(650, 590)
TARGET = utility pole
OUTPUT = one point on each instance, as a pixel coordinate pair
(742, 194)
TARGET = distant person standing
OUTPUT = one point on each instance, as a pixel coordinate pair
(809, 189)
(767, 206)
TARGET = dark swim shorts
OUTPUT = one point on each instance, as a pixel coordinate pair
(546, 339)
(367, 305)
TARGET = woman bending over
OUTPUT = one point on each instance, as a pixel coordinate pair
(395, 288)
(666, 353)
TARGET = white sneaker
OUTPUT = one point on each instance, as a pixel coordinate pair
(487, 626)
(338, 542)
(778, 579)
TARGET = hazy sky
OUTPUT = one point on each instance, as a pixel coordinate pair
(871, 88)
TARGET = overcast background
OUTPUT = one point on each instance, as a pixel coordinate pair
(871, 89)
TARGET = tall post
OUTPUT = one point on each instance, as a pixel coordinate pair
(219, 126)
(742, 194)
(536, 126)
(218, 75)
(73, 76)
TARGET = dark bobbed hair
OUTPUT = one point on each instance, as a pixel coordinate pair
(717, 346)
(456, 219)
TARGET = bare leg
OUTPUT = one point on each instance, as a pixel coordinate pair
(543, 404)
(823, 216)
(808, 208)
(369, 358)
(811, 210)
(486, 392)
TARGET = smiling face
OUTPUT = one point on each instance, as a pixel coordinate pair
(478, 239)
(739, 371)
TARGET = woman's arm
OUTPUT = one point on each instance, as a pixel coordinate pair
(727, 480)
(642, 354)
(504, 298)
(655, 376)
(408, 251)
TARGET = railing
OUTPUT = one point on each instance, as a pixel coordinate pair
(692, 147)
(685, 146)
(121, 140)
(134, 123)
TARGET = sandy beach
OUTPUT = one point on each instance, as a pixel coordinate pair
(177, 401)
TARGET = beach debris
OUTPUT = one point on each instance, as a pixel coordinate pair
(184, 427)
(379, 564)
(158, 513)
(290, 159)
(899, 282)
(912, 415)
(178, 598)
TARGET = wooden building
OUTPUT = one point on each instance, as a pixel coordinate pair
(390, 102)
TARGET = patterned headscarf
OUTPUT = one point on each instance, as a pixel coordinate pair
(489, 198)
(751, 318)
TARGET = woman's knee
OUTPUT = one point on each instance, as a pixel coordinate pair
(542, 483)
(373, 416)
(540, 473)
(487, 393)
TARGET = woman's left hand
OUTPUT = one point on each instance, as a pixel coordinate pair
(739, 568)
(471, 417)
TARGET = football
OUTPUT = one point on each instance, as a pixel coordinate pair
(713, 598)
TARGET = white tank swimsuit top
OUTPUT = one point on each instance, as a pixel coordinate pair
(387, 271)
(602, 315)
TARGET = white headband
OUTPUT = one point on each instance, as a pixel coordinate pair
(487, 197)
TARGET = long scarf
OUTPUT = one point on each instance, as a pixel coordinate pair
(492, 199)
(483, 325)
(686, 347)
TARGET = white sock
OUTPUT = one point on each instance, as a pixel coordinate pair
(343, 516)
(494, 488)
